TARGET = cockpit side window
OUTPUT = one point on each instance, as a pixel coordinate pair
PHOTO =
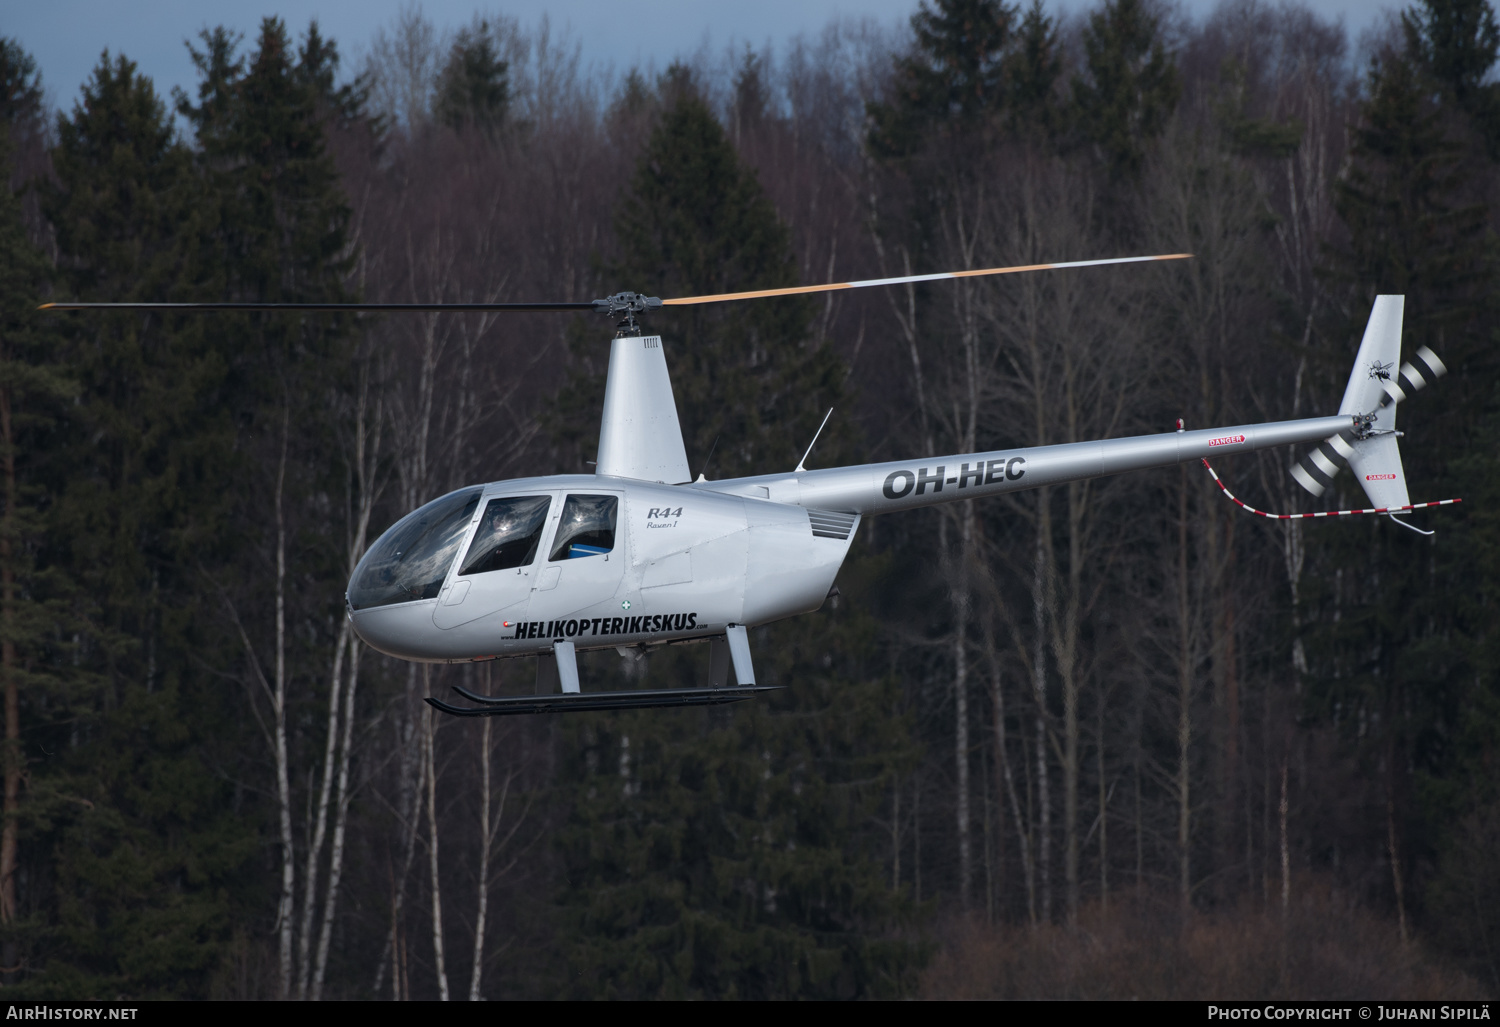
(508, 534)
(586, 528)
(411, 560)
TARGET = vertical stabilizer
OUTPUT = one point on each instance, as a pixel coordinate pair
(640, 436)
(1376, 386)
(1376, 461)
(1370, 452)
(1379, 356)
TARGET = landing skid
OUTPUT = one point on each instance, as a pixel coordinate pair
(579, 702)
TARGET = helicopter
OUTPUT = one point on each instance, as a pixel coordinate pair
(640, 554)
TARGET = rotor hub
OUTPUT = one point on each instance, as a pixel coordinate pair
(625, 306)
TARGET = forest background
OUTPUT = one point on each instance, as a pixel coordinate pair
(1112, 739)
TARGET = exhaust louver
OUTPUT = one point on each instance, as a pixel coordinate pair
(826, 524)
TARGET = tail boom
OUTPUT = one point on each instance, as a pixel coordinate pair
(907, 484)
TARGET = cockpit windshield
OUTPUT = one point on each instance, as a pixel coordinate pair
(411, 560)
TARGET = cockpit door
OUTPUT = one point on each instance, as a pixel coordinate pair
(585, 559)
(501, 560)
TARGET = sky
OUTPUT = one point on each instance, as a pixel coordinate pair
(67, 36)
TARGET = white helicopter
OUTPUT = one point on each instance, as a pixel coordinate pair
(640, 555)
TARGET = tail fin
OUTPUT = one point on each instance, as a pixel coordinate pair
(1376, 460)
(1375, 388)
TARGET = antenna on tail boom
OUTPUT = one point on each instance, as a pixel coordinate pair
(813, 443)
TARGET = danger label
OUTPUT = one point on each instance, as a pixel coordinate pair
(1380, 477)
(1226, 440)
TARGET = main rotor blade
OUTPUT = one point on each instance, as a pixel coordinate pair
(621, 303)
(798, 290)
(349, 307)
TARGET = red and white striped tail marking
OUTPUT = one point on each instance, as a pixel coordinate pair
(1322, 513)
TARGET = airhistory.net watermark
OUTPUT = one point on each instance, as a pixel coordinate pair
(44, 1012)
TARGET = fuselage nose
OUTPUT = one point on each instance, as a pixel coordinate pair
(405, 631)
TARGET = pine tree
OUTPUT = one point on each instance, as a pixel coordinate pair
(341, 104)
(20, 106)
(955, 78)
(1408, 660)
(168, 515)
(20, 85)
(474, 86)
(279, 232)
(724, 853)
(142, 842)
(1131, 86)
(1416, 226)
(1445, 184)
(696, 222)
(1456, 43)
(1033, 71)
(282, 223)
(35, 609)
(728, 855)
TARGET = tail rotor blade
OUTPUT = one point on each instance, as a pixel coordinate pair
(1412, 375)
(1307, 481)
(1317, 469)
(1413, 378)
